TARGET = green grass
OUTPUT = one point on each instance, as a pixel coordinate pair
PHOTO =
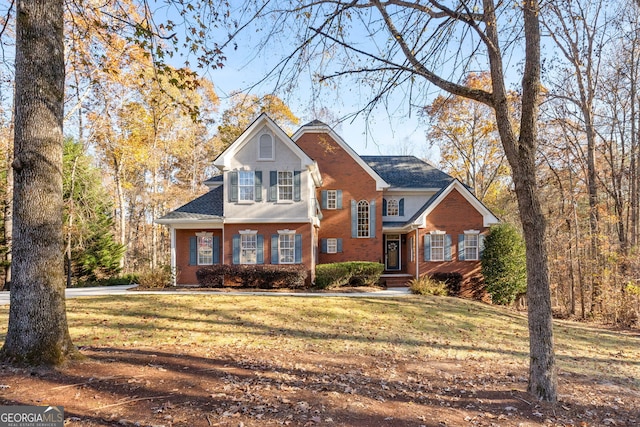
(417, 326)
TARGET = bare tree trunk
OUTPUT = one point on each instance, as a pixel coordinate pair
(38, 331)
(8, 216)
(70, 220)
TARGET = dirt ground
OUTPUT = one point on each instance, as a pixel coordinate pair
(229, 386)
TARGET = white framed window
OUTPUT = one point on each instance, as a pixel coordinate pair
(332, 199)
(285, 185)
(363, 218)
(332, 246)
(471, 246)
(393, 208)
(437, 247)
(248, 248)
(286, 248)
(246, 186)
(265, 147)
(205, 248)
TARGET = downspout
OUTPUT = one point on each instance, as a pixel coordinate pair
(174, 275)
(416, 253)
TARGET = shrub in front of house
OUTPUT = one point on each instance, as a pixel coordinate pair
(452, 281)
(354, 273)
(427, 285)
(253, 276)
(157, 278)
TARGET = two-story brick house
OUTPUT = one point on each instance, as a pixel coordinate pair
(310, 199)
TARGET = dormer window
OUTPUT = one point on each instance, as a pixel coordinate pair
(265, 147)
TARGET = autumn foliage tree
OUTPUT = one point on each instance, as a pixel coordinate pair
(466, 134)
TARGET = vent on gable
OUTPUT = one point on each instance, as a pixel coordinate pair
(265, 151)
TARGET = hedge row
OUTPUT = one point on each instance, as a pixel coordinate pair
(252, 276)
(357, 273)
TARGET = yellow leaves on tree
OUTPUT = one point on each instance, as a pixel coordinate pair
(467, 135)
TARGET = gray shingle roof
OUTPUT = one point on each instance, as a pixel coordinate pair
(208, 206)
(407, 172)
(217, 178)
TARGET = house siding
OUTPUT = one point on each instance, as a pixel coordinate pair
(267, 230)
(186, 272)
(453, 215)
(341, 172)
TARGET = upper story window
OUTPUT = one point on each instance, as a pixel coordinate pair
(246, 185)
(392, 207)
(332, 199)
(363, 218)
(285, 185)
(265, 147)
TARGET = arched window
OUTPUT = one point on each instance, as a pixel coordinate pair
(363, 218)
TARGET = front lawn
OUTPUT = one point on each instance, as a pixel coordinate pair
(191, 360)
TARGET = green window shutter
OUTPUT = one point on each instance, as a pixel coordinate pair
(193, 250)
(447, 247)
(338, 199)
(260, 249)
(216, 249)
(258, 186)
(401, 207)
(323, 246)
(323, 198)
(298, 249)
(354, 219)
(427, 247)
(273, 186)
(233, 186)
(339, 245)
(275, 255)
(372, 219)
(296, 186)
(460, 247)
(236, 248)
(384, 207)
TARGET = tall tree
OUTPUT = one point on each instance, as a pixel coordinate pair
(576, 27)
(466, 133)
(394, 44)
(38, 331)
(246, 107)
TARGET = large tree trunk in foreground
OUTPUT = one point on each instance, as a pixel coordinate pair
(38, 333)
(521, 153)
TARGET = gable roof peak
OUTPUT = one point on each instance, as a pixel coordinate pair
(316, 123)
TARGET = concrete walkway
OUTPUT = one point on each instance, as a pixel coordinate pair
(124, 290)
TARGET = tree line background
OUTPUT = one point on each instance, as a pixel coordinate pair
(141, 139)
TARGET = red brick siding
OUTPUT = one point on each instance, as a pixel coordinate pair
(341, 172)
(186, 274)
(453, 215)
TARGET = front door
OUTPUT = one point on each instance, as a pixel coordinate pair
(392, 252)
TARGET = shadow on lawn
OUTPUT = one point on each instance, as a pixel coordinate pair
(156, 387)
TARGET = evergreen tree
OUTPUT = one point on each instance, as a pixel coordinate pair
(92, 251)
(504, 264)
